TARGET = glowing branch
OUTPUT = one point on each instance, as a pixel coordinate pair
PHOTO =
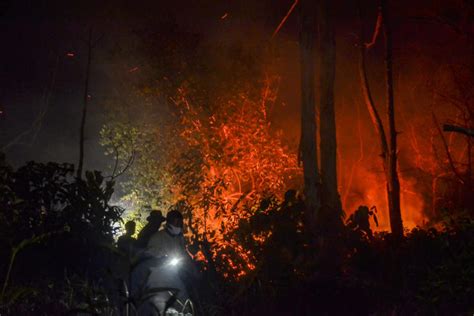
(378, 26)
(283, 21)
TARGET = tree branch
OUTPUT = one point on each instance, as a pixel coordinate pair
(283, 21)
(458, 129)
(368, 98)
(378, 26)
(446, 148)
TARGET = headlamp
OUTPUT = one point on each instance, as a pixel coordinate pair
(174, 261)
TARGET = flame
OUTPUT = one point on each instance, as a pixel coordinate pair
(251, 162)
(370, 190)
(242, 163)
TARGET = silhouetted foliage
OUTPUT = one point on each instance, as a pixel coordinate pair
(61, 228)
(430, 271)
(53, 224)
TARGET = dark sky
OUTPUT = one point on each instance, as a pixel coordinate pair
(37, 75)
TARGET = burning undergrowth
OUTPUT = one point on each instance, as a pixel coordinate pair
(237, 161)
(218, 162)
(224, 162)
(221, 154)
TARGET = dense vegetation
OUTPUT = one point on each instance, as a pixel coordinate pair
(58, 257)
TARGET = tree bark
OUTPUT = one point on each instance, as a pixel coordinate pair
(388, 146)
(308, 145)
(84, 108)
(331, 209)
(393, 182)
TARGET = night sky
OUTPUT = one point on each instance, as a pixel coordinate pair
(43, 60)
(43, 68)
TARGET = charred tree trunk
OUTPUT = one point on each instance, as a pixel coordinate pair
(393, 182)
(308, 145)
(388, 146)
(84, 108)
(330, 215)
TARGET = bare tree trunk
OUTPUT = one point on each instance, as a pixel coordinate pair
(388, 148)
(393, 182)
(84, 108)
(331, 209)
(367, 93)
(308, 145)
(329, 219)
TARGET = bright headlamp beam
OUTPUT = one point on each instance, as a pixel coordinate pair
(174, 261)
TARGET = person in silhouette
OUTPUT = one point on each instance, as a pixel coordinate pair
(126, 242)
(177, 269)
(155, 219)
(169, 241)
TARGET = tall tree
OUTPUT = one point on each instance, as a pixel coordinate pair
(84, 107)
(308, 143)
(323, 206)
(393, 182)
(388, 144)
(91, 43)
(330, 202)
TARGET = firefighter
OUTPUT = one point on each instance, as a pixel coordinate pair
(155, 219)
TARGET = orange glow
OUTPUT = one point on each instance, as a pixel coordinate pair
(245, 160)
(243, 163)
(370, 190)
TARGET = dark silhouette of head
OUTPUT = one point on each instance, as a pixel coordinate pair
(175, 218)
(130, 228)
(155, 218)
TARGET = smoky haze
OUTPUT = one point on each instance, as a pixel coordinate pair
(43, 71)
